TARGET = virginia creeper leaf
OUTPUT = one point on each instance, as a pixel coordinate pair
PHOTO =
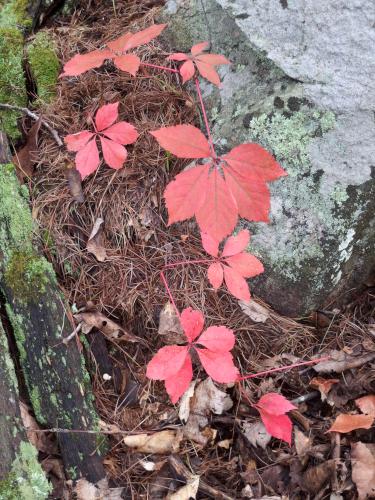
(217, 339)
(215, 274)
(81, 63)
(114, 154)
(179, 383)
(210, 244)
(219, 366)
(167, 362)
(192, 322)
(236, 244)
(236, 284)
(278, 426)
(87, 159)
(184, 141)
(128, 62)
(75, 142)
(106, 116)
(274, 404)
(187, 71)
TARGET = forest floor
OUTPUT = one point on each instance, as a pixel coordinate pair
(222, 442)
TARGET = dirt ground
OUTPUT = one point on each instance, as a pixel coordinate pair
(127, 289)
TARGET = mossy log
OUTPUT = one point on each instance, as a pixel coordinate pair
(21, 475)
(55, 374)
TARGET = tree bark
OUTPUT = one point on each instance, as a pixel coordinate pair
(57, 381)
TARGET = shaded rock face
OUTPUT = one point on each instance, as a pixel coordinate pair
(301, 84)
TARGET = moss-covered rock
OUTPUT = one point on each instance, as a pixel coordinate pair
(44, 65)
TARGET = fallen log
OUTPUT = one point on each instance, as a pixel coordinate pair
(56, 378)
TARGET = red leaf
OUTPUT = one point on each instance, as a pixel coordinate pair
(87, 159)
(144, 36)
(83, 62)
(184, 141)
(275, 404)
(245, 264)
(118, 45)
(184, 195)
(208, 72)
(122, 132)
(106, 116)
(179, 383)
(215, 274)
(236, 284)
(219, 366)
(236, 244)
(128, 62)
(114, 154)
(178, 56)
(347, 423)
(187, 71)
(167, 362)
(210, 244)
(278, 426)
(199, 48)
(217, 339)
(217, 215)
(75, 142)
(192, 322)
(213, 59)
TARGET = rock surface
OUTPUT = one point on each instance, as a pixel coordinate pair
(302, 85)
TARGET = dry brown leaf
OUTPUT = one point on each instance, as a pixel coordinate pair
(85, 490)
(207, 398)
(256, 433)
(25, 158)
(170, 326)
(95, 242)
(302, 443)
(95, 319)
(340, 361)
(363, 469)
(256, 312)
(347, 423)
(366, 404)
(323, 385)
(188, 491)
(184, 410)
(316, 477)
(40, 440)
(75, 184)
(162, 442)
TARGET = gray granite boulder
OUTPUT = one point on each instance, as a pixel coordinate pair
(302, 85)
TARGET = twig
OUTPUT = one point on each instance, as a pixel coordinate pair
(164, 68)
(67, 339)
(35, 117)
(169, 292)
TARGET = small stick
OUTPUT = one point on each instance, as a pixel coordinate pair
(35, 117)
(78, 328)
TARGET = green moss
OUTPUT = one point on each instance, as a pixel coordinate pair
(289, 137)
(13, 13)
(26, 480)
(28, 275)
(18, 330)
(37, 405)
(6, 360)
(12, 79)
(44, 65)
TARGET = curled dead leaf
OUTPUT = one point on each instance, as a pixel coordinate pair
(162, 442)
(95, 241)
(316, 477)
(95, 319)
(256, 434)
(302, 443)
(25, 158)
(170, 326)
(85, 490)
(341, 361)
(323, 385)
(188, 491)
(363, 469)
(366, 404)
(347, 423)
(40, 440)
(75, 184)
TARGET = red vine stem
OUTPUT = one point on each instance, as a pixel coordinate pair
(284, 368)
(205, 117)
(169, 292)
(165, 68)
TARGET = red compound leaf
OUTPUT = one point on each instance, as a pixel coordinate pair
(273, 408)
(116, 50)
(222, 189)
(112, 138)
(234, 264)
(173, 363)
(205, 63)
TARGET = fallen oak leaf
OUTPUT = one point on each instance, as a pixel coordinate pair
(347, 423)
(234, 264)
(366, 404)
(203, 62)
(95, 241)
(113, 138)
